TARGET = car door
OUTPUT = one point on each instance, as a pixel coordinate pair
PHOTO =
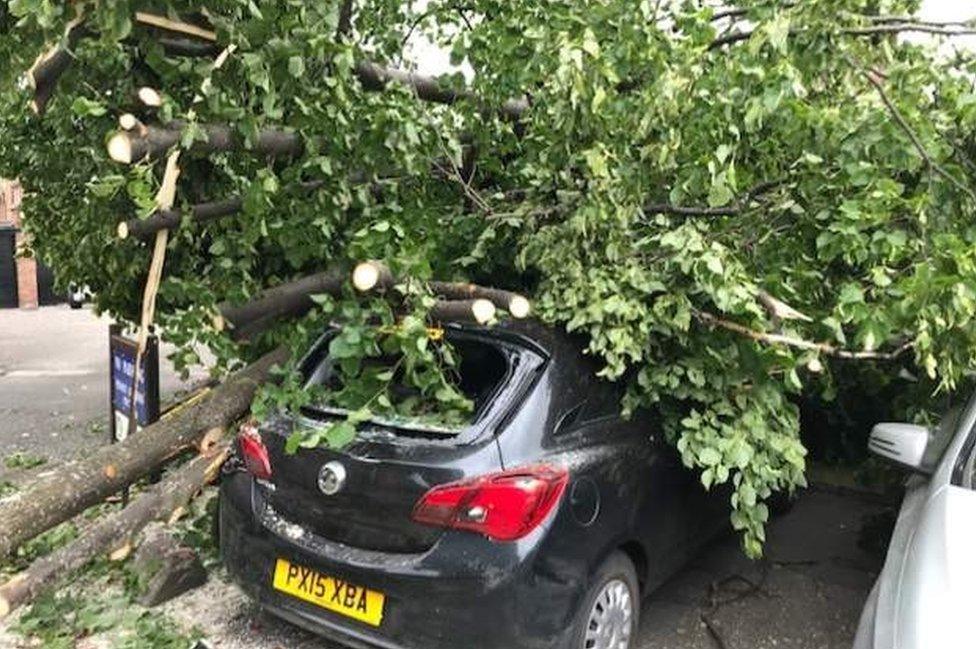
(646, 493)
(924, 593)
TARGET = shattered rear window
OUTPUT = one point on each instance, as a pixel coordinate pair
(478, 370)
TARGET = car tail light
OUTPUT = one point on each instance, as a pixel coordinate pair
(253, 452)
(503, 506)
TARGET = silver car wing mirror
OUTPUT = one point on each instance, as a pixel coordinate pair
(903, 444)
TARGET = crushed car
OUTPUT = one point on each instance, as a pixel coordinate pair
(541, 524)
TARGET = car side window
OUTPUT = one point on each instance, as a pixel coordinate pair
(969, 470)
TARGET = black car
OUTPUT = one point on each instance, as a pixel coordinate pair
(542, 524)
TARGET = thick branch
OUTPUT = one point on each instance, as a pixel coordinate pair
(155, 141)
(732, 209)
(202, 213)
(376, 276)
(345, 20)
(376, 77)
(47, 69)
(799, 343)
(474, 311)
(114, 531)
(892, 28)
(288, 300)
(85, 482)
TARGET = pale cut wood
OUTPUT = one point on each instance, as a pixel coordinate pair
(176, 26)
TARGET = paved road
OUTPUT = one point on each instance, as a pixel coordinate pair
(54, 381)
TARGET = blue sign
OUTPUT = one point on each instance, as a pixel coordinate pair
(123, 368)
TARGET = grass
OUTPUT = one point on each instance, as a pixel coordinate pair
(23, 460)
(7, 488)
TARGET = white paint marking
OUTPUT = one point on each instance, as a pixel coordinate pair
(36, 374)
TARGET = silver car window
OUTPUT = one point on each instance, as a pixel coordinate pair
(968, 477)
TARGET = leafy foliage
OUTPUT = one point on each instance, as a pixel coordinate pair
(59, 621)
(659, 182)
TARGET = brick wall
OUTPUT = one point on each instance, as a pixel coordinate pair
(10, 197)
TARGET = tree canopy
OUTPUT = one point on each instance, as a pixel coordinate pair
(730, 202)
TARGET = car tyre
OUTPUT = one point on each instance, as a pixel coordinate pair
(610, 611)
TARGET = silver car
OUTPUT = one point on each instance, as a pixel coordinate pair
(923, 598)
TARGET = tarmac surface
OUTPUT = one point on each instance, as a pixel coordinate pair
(54, 381)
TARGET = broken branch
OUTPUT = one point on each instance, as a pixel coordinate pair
(799, 343)
(907, 129)
(290, 299)
(128, 147)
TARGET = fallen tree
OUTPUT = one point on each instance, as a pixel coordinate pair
(116, 532)
(669, 180)
(79, 484)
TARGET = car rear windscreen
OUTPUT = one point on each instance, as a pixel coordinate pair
(480, 370)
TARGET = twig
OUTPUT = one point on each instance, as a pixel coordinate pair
(885, 28)
(800, 343)
(731, 209)
(903, 124)
(179, 27)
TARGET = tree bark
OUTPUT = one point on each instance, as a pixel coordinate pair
(288, 300)
(376, 276)
(130, 147)
(376, 77)
(478, 311)
(115, 531)
(79, 484)
(47, 70)
(517, 305)
(144, 229)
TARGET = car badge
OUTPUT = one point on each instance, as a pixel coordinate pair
(332, 477)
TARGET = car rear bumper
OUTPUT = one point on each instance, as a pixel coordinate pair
(463, 592)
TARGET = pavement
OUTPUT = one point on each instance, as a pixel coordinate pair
(54, 381)
(806, 593)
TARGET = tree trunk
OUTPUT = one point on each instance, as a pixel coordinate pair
(131, 147)
(115, 531)
(79, 484)
(288, 300)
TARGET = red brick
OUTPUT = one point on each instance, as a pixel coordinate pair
(10, 196)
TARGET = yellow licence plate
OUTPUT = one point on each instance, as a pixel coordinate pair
(334, 594)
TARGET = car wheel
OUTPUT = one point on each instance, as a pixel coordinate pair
(610, 611)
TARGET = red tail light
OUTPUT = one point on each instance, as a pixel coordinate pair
(253, 452)
(503, 506)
